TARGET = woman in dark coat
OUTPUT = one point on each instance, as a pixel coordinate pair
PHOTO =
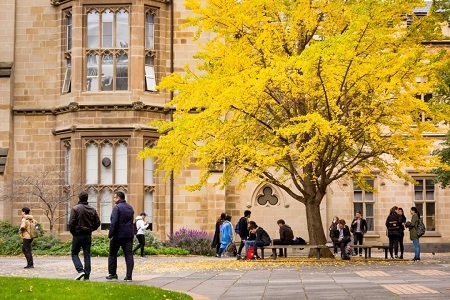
(394, 232)
(401, 213)
(216, 238)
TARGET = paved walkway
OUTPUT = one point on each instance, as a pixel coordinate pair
(284, 278)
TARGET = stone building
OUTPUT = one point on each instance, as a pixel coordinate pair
(77, 89)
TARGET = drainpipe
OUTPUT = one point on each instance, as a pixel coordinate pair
(171, 110)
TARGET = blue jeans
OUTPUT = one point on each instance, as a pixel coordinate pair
(416, 248)
(82, 242)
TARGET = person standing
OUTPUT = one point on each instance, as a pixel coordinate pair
(341, 237)
(401, 213)
(413, 232)
(82, 222)
(243, 231)
(141, 226)
(286, 236)
(359, 228)
(393, 222)
(216, 239)
(121, 234)
(25, 228)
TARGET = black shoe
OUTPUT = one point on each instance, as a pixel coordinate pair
(400, 257)
(29, 267)
(112, 277)
(80, 275)
(128, 279)
(396, 256)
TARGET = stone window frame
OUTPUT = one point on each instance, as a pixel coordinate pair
(95, 78)
(101, 193)
(363, 202)
(425, 200)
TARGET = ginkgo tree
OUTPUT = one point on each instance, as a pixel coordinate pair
(300, 94)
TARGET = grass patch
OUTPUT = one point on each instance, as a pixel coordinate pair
(57, 289)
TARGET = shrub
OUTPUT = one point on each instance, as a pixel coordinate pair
(196, 241)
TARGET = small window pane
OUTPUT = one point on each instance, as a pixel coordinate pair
(121, 163)
(107, 29)
(368, 196)
(107, 72)
(369, 210)
(148, 171)
(67, 80)
(106, 205)
(122, 72)
(148, 206)
(91, 164)
(69, 33)
(150, 80)
(369, 224)
(357, 195)
(430, 217)
(356, 207)
(92, 73)
(93, 21)
(122, 29)
(149, 31)
(106, 174)
(418, 195)
(92, 197)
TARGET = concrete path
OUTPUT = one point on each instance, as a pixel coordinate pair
(284, 278)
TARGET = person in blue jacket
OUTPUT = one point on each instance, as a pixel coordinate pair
(226, 233)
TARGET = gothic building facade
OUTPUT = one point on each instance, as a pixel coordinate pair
(77, 90)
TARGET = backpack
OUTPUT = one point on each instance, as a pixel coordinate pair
(420, 228)
(393, 223)
(299, 241)
(135, 230)
(34, 229)
(237, 228)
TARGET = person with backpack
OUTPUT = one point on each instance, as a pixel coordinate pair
(394, 232)
(83, 221)
(25, 233)
(141, 225)
(413, 235)
(242, 230)
(402, 228)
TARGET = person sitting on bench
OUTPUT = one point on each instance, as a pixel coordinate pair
(341, 237)
(286, 236)
(262, 239)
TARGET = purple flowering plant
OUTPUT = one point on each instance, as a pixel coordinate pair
(197, 242)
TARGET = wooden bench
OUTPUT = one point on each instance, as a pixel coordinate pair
(367, 249)
(285, 247)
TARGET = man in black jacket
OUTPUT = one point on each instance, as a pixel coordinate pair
(243, 231)
(286, 236)
(83, 220)
(262, 239)
(341, 237)
(121, 235)
(358, 228)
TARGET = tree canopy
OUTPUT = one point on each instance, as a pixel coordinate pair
(302, 93)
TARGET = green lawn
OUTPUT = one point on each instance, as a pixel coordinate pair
(62, 289)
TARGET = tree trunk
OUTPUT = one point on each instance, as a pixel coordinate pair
(315, 227)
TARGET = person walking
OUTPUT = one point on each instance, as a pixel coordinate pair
(413, 232)
(401, 213)
(141, 226)
(25, 228)
(243, 231)
(216, 239)
(121, 234)
(358, 228)
(226, 233)
(286, 236)
(83, 221)
(393, 222)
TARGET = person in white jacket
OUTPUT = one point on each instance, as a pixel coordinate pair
(141, 226)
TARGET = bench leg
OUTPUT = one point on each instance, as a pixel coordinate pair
(385, 253)
(370, 252)
(262, 253)
(365, 253)
(285, 252)
(318, 253)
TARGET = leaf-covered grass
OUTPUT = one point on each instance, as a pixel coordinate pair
(57, 289)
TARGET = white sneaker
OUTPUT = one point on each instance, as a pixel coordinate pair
(80, 275)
